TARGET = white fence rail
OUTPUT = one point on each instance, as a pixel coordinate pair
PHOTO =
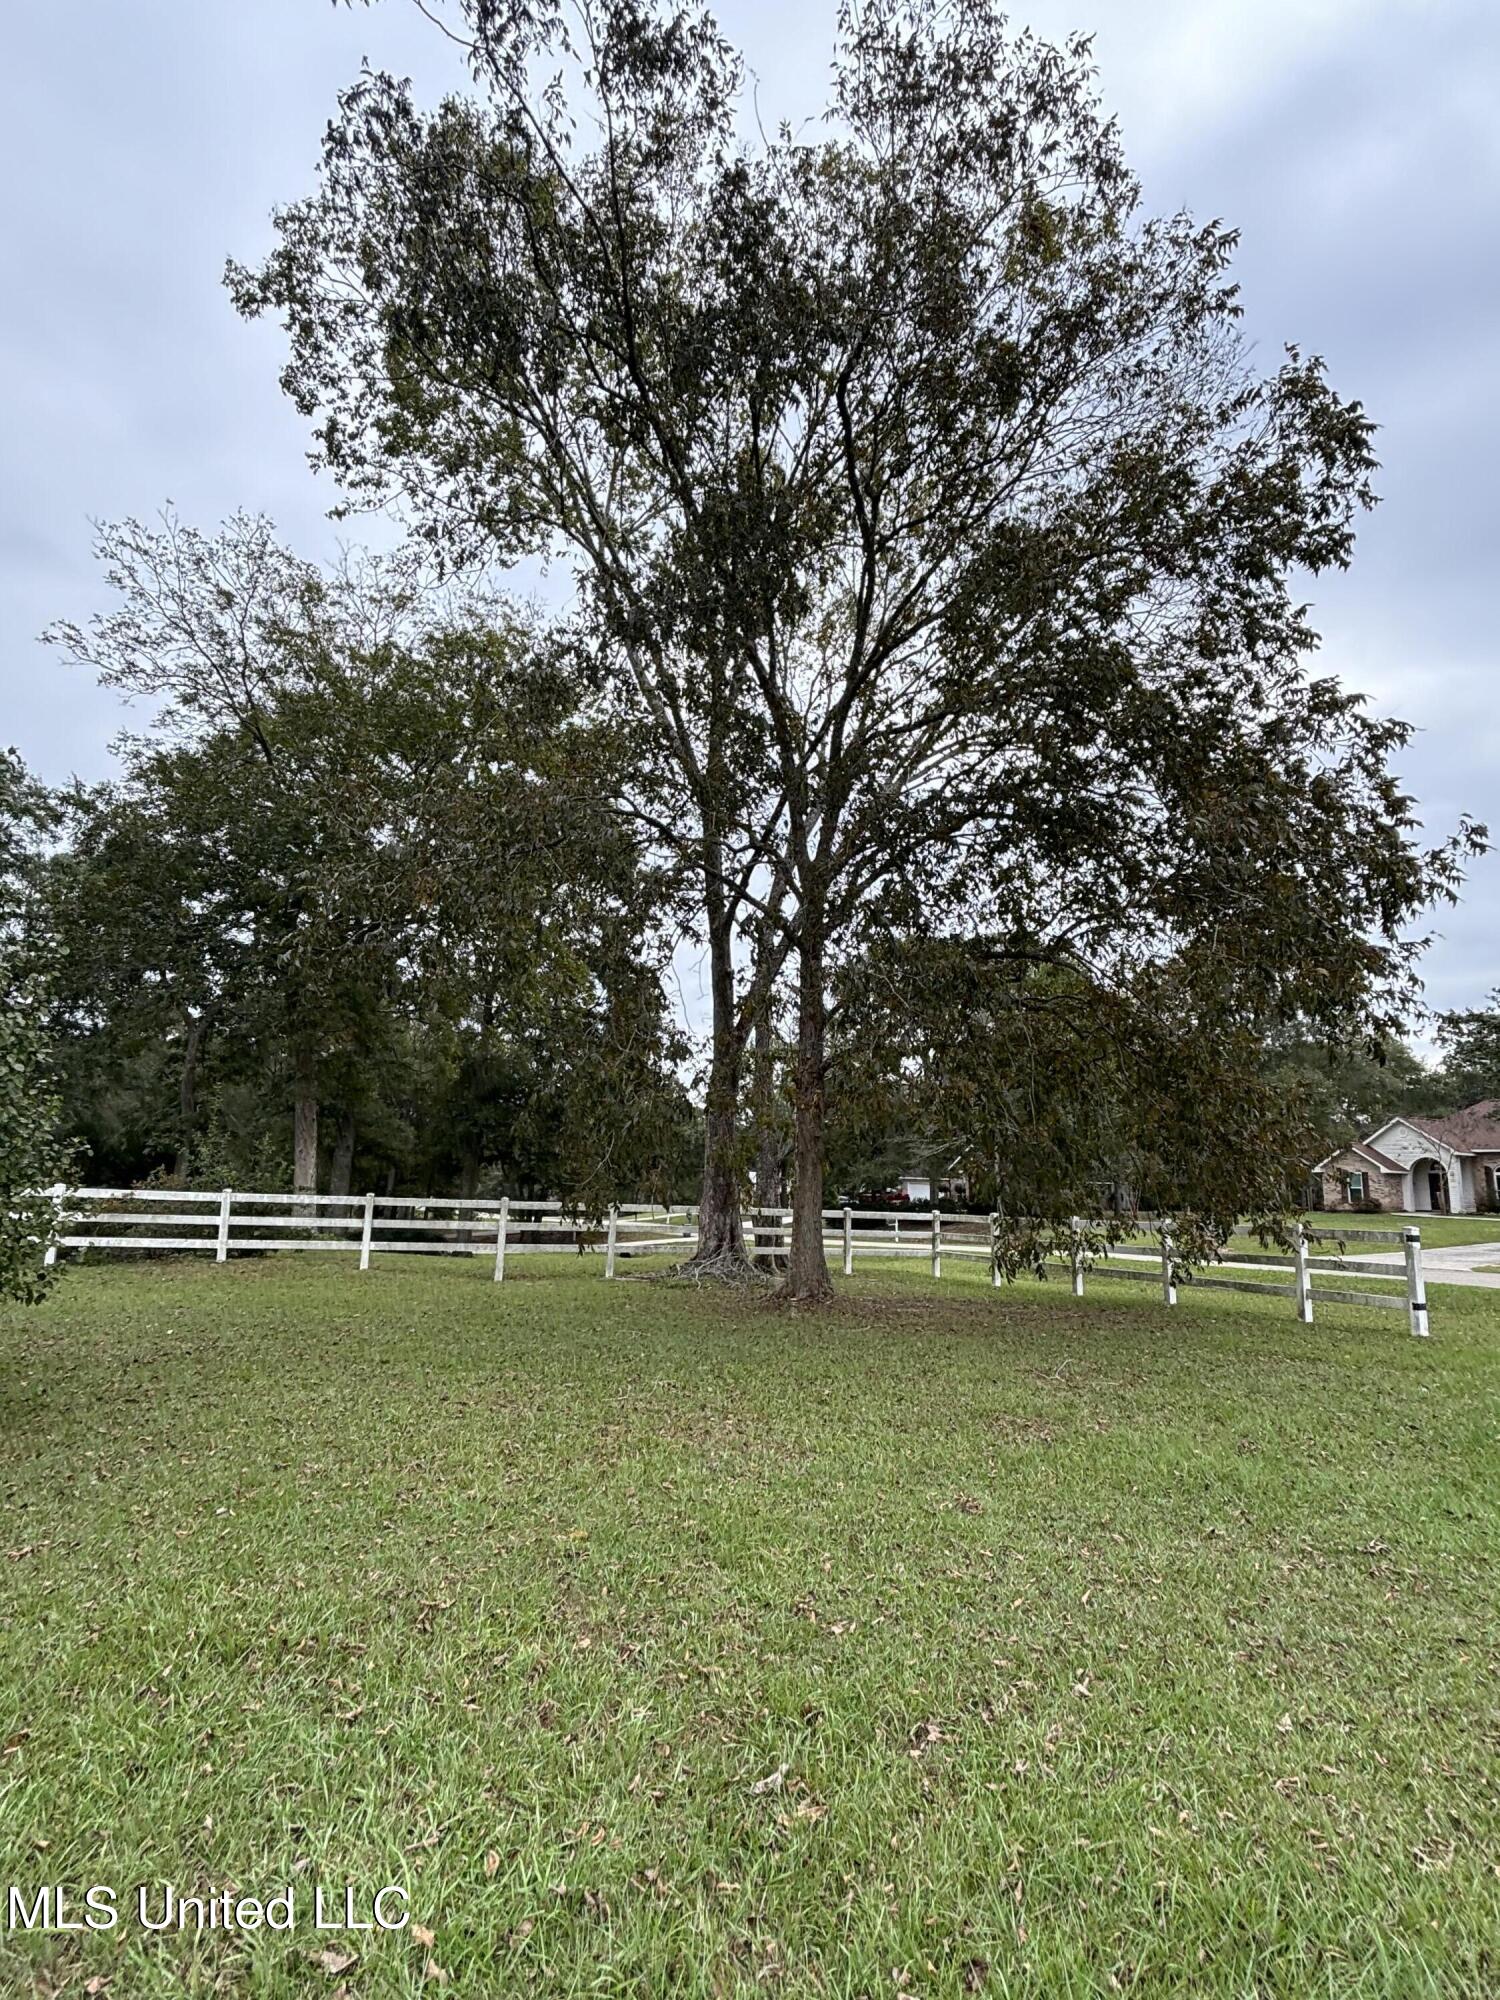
(232, 1220)
(933, 1235)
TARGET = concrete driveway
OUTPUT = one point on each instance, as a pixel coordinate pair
(1448, 1264)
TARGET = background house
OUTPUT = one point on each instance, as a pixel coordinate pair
(1447, 1163)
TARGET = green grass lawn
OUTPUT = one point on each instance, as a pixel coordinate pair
(958, 1641)
(1438, 1231)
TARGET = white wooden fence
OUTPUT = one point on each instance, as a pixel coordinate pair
(931, 1234)
(232, 1220)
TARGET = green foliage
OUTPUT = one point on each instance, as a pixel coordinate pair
(1348, 1089)
(31, 1159)
(1470, 1041)
(369, 860)
(939, 531)
(243, 1143)
(1053, 1091)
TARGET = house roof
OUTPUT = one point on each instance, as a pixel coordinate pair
(1366, 1152)
(1475, 1129)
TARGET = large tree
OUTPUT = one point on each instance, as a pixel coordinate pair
(941, 533)
(364, 802)
(267, 822)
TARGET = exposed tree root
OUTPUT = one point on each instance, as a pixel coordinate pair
(720, 1267)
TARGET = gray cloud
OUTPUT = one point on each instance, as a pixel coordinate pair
(1354, 144)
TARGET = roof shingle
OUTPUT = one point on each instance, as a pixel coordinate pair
(1475, 1129)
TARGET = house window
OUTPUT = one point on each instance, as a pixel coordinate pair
(1356, 1184)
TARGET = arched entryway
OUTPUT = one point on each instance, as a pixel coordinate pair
(1429, 1188)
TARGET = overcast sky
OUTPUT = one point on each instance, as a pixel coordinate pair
(1354, 142)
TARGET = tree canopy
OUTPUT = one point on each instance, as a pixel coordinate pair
(369, 837)
(931, 519)
(1470, 1041)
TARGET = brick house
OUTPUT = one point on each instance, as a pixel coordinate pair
(1447, 1163)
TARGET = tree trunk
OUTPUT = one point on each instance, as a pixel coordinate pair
(721, 1236)
(768, 1141)
(807, 1278)
(468, 1187)
(341, 1167)
(305, 1122)
(187, 1095)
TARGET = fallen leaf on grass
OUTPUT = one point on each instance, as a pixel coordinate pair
(331, 1961)
(422, 1935)
(491, 1865)
(772, 1782)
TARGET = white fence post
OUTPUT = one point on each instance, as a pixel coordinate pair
(1077, 1257)
(57, 1190)
(367, 1234)
(995, 1274)
(848, 1242)
(937, 1244)
(221, 1248)
(609, 1246)
(1168, 1283)
(1416, 1292)
(502, 1230)
(1304, 1278)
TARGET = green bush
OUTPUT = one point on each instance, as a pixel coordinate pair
(30, 1158)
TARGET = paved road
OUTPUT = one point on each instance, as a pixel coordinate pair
(1449, 1263)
